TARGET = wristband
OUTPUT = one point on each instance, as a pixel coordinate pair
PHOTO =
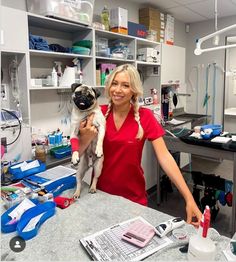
(74, 144)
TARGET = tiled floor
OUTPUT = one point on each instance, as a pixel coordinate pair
(173, 203)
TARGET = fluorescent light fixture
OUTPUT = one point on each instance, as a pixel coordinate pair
(199, 50)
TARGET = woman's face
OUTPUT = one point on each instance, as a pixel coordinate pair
(120, 90)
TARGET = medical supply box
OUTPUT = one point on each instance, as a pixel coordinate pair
(137, 30)
(79, 11)
(119, 20)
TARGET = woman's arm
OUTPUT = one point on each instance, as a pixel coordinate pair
(170, 167)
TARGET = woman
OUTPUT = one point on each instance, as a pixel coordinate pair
(127, 128)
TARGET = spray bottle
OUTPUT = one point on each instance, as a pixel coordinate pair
(201, 247)
(78, 71)
(59, 71)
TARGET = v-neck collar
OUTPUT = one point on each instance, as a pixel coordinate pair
(126, 119)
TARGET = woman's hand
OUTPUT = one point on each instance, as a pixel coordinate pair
(87, 132)
(193, 211)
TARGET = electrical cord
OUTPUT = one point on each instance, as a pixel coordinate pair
(19, 124)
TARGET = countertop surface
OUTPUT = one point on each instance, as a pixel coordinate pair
(58, 238)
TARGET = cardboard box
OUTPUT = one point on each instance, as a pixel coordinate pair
(152, 23)
(119, 20)
(169, 30)
(98, 77)
(152, 13)
(137, 30)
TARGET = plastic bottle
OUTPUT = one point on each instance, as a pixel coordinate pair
(54, 77)
(155, 97)
(105, 18)
(59, 71)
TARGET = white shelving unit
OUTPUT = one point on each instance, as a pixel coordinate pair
(42, 106)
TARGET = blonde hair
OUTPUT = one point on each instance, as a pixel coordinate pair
(136, 88)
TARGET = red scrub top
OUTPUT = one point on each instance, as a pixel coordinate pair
(122, 173)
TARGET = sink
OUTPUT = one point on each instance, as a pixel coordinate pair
(195, 119)
(190, 116)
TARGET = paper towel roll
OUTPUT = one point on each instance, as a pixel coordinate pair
(68, 77)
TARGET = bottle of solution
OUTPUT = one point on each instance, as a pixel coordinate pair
(54, 77)
(105, 18)
(155, 97)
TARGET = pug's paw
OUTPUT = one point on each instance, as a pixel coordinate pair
(99, 151)
(75, 158)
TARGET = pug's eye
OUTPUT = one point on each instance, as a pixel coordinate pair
(78, 93)
(90, 96)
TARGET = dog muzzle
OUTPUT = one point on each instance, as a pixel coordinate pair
(83, 102)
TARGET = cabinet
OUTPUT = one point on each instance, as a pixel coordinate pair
(14, 30)
(172, 65)
(173, 71)
(15, 79)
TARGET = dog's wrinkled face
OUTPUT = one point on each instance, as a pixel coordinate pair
(84, 97)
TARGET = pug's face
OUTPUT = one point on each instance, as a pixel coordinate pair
(84, 97)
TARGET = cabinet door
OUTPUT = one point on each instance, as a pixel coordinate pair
(172, 65)
(14, 30)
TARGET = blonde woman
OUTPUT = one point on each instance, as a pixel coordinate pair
(127, 128)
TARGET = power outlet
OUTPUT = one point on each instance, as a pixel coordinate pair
(4, 143)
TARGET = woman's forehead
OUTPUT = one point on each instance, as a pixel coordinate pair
(122, 76)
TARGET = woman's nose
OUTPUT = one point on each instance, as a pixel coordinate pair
(118, 88)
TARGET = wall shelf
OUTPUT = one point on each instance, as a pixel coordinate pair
(40, 53)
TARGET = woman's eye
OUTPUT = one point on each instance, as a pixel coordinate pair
(126, 86)
(114, 83)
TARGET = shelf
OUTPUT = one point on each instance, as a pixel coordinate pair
(145, 42)
(230, 111)
(52, 23)
(114, 59)
(47, 88)
(57, 54)
(112, 36)
(147, 63)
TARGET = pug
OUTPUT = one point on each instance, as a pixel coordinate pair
(84, 104)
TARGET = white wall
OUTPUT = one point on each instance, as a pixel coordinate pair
(198, 30)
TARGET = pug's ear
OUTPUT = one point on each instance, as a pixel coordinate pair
(97, 92)
(74, 86)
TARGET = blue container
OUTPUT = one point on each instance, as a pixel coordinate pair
(52, 139)
(216, 131)
(58, 138)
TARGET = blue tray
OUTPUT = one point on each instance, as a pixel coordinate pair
(17, 173)
(62, 152)
(48, 209)
(5, 219)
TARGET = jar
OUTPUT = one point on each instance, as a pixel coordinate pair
(40, 153)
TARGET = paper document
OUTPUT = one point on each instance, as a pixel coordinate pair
(108, 245)
(175, 122)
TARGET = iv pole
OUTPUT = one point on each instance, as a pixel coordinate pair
(199, 50)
